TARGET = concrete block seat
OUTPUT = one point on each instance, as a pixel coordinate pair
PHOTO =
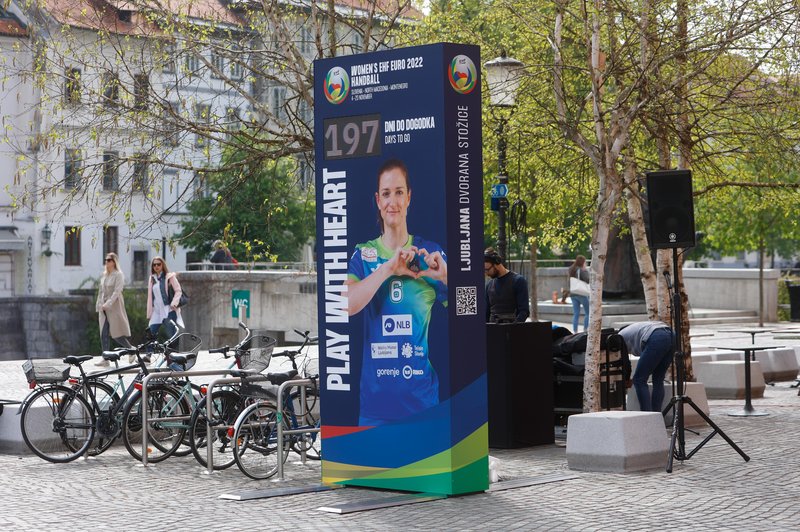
(616, 441)
(10, 431)
(712, 355)
(724, 379)
(778, 364)
(694, 390)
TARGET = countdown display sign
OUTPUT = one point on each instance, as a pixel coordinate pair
(400, 269)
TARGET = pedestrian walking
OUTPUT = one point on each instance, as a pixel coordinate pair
(579, 292)
(110, 307)
(163, 297)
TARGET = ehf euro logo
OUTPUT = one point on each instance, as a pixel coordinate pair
(337, 85)
(463, 74)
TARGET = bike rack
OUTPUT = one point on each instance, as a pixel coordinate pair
(300, 383)
(256, 377)
(162, 375)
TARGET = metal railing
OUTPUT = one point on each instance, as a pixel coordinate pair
(300, 383)
(163, 375)
(255, 377)
(248, 266)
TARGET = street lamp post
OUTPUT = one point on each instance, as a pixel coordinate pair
(503, 75)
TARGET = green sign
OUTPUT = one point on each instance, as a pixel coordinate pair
(240, 297)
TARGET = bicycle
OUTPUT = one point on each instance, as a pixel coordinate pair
(170, 404)
(253, 354)
(255, 432)
(59, 423)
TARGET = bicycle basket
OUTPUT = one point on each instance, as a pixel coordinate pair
(185, 343)
(44, 374)
(257, 352)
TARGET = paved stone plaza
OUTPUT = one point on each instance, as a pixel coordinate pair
(714, 490)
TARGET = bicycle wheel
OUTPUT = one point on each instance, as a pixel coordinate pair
(226, 405)
(185, 448)
(306, 415)
(169, 410)
(57, 424)
(255, 441)
(107, 427)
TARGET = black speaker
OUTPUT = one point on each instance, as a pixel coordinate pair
(669, 198)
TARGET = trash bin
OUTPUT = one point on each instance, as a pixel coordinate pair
(794, 300)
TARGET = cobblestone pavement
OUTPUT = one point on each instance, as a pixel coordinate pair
(714, 490)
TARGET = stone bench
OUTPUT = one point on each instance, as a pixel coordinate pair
(694, 390)
(724, 379)
(10, 431)
(778, 364)
(616, 441)
(715, 355)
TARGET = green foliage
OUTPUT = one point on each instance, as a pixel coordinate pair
(258, 209)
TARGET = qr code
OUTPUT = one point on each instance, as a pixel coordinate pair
(466, 301)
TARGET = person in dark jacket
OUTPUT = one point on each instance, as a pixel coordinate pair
(221, 258)
(506, 291)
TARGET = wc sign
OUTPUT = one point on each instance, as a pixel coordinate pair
(240, 298)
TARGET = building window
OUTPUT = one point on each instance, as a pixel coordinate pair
(140, 169)
(278, 95)
(110, 240)
(358, 42)
(200, 186)
(168, 59)
(72, 168)
(306, 116)
(203, 117)
(72, 246)
(218, 64)
(171, 120)
(110, 88)
(141, 91)
(306, 39)
(305, 173)
(72, 85)
(237, 63)
(233, 121)
(192, 63)
(110, 170)
(140, 260)
(125, 15)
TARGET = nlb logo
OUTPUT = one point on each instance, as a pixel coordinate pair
(462, 74)
(337, 85)
(408, 372)
(396, 325)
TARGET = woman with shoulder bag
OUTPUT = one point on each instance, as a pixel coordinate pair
(163, 298)
(579, 292)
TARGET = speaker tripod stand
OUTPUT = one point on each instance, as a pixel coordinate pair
(677, 444)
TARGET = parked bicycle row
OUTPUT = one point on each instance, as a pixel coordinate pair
(66, 417)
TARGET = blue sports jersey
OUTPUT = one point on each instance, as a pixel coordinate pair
(397, 379)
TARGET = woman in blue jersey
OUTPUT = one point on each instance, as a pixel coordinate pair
(395, 279)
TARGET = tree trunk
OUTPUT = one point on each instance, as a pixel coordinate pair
(600, 232)
(647, 271)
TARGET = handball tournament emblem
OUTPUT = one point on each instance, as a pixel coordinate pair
(337, 85)
(463, 74)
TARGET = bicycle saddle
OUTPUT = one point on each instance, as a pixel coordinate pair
(280, 378)
(76, 360)
(182, 358)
